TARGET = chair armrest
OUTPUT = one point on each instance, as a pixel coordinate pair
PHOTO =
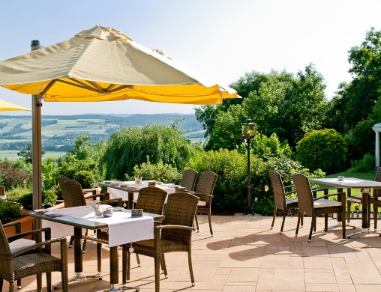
(314, 192)
(46, 230)
(330, 195)
(204, 197)
(21, 251)
(174, 227)
(289, 186)
(17, 226)
(100, 196)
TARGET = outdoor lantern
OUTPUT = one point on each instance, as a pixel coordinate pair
(248, 133)
(248, 130)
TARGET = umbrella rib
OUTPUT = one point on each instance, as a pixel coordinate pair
(51, 83)
(111, 86)
(120, 88)
(84, 86)
(100, 89)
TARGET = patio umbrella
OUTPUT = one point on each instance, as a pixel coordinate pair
(7, 106)
(102, 64)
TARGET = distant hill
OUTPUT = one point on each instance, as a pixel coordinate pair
(59, 131)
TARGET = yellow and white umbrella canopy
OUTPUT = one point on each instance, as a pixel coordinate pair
(7, 106)
(103, 64)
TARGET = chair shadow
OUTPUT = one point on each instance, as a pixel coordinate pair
(270, 242)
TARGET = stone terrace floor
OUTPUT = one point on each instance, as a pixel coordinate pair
(245, 255)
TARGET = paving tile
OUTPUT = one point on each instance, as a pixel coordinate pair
(246, 255)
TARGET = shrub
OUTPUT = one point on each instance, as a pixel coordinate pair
(230, 192)
(12, 176)
(360, 140)
(230, 166)
(324, 149)
(85, 178)
(364, 165)
(9, 211)
(264, 146)
(159, 171)
(48, 200)
(15, 194)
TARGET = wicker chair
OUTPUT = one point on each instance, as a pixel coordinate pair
(373, 200)
(310, 206)
(280, 200)
(19, 263)
(173, 235)
(204, 192)
(189, 179)
(18, 243)
(73, 197)
(151, 200)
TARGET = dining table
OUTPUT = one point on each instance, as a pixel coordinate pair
(129, 190)
(350, 183)
(123, 228)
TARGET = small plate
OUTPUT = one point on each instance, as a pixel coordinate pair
(118, 209)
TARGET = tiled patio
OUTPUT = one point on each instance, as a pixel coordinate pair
(245, 255)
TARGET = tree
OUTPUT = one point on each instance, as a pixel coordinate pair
(129, 147)
(355, 100)
(27, 154)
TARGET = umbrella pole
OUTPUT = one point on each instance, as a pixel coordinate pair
(36, 148)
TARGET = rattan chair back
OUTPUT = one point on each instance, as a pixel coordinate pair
(74, 196)
(189, 179)
(206, 182)
(4, 247)
(278, 189)
(151, 200)
(377, 192)
(304, 193)
(179, 210)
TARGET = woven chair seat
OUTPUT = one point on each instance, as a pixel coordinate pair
(35, 263)
(201, 204)
(326, 203)
(147, 246)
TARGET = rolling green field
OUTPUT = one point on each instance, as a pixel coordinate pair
(12, 154)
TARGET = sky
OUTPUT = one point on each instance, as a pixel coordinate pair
(222, 39)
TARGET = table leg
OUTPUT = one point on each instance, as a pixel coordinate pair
(114, 272)
(130, 200)
(78, 263)
(339, 219)
(365, 208)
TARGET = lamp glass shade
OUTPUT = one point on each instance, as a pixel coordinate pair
(248, 130)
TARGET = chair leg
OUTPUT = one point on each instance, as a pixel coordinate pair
(375, 213)
(190, 267)
(18, 284)
(64, 278)
(274, 215)
(128, 264)
(138, 259)
(11, 286)
(99, 256)
(284, 218)
(164, 266)
(84, 241)
(124, 264)
(71, 241)
(49, 282)
(344, 225)
(301, 219)
(157, 272)
(297, 226)
(325, 222)
(313, 222)
(39, 282)
(210, 221)
(195, 218)
(349, 211)
(1, 285)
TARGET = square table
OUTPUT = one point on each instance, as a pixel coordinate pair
(132, 189)
(78, 224)
(354, 183)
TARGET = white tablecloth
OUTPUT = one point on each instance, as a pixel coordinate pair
(116, 193)
(122, 228)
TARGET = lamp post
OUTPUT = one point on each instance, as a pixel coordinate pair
(248, 133)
